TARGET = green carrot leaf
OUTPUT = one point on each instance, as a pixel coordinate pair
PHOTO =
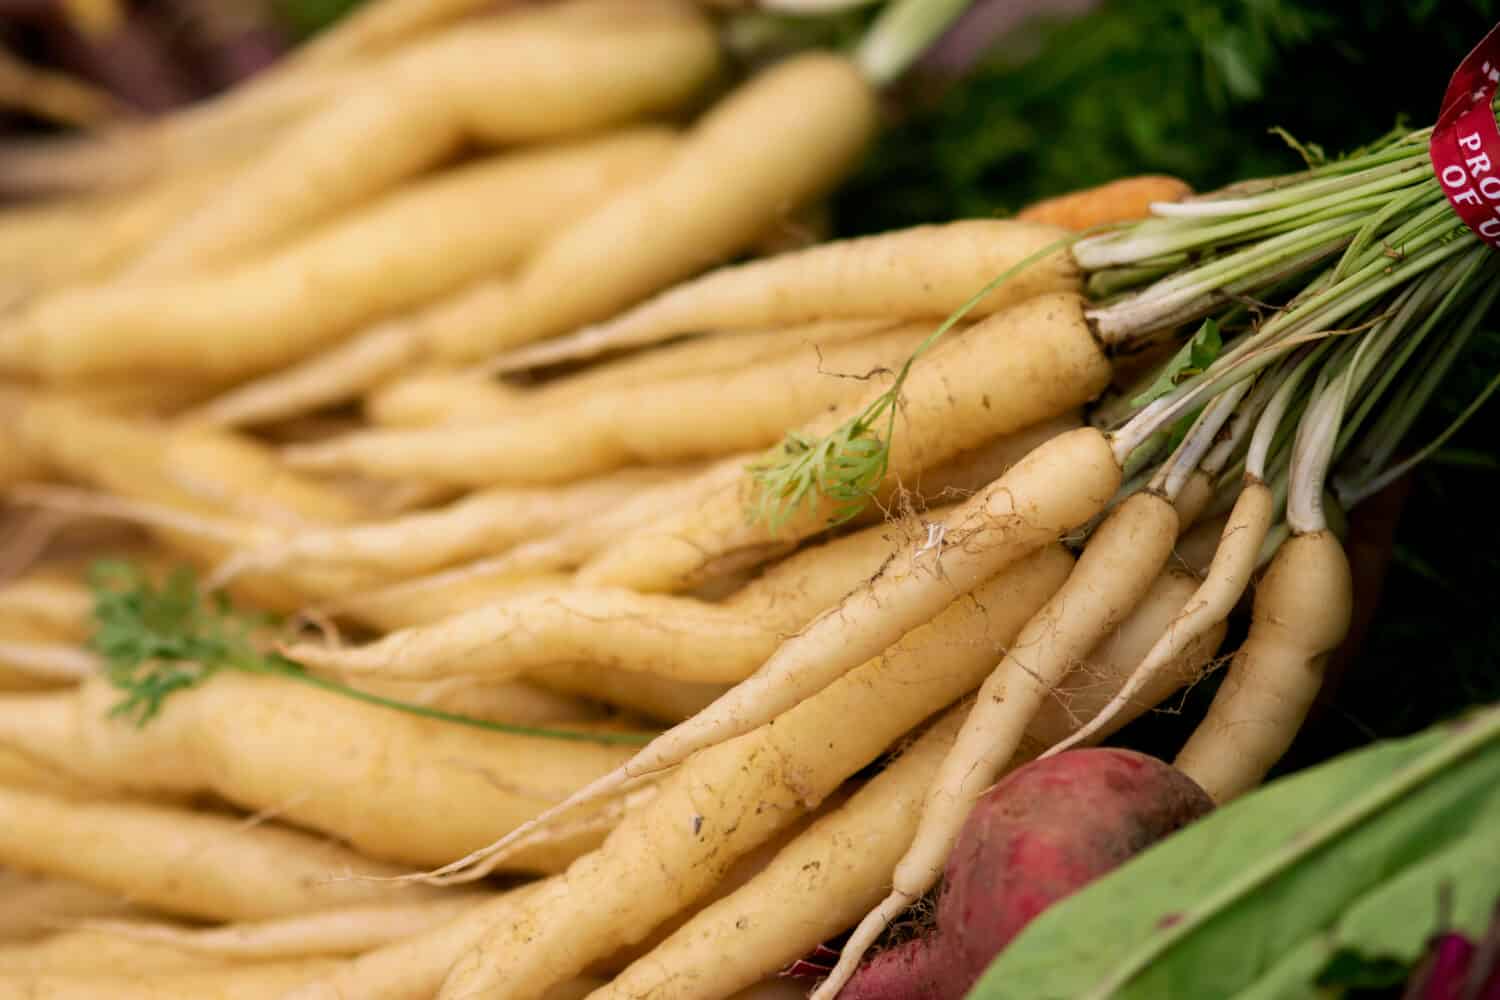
(160, 638)
(1192, 358)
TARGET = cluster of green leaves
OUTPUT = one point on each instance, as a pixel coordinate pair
(1192, 88)
(157, 639)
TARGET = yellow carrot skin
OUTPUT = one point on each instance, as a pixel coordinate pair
(692, 417)
(1091, 685)
(91, 952)
(32, 906)
(1020, 367)
(811, 890)
(346, 930)
(745, 790)
(408, 249)
(485, 522)
(781, 140)
(926, 271)
(1225, 581)
(258, 981)
(1117, 568)
(196, 864)
(205, 471)
(521, 76)
(397, 788)
(53, 603)
(832, 874)
(679, 638)
(533, 192)
(1055, 489)
(1303, 607)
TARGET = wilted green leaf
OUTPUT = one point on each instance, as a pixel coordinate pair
(1191, 359)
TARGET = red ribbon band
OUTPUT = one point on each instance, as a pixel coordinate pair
(1465, 146)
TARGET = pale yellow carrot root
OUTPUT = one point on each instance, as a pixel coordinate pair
(32, 906)
(395, 787)
(1115, 571)
(743, 792)
(87, 952)
(421, 600)
(532, 192)
(410, 248)
(111, 233)
(656, 698)
(1020, 367)
(480, 523)
(1302, 611)
(810, 891)
(1228, 576)
(778, 142)
(679, 638)
(257, 981)
(414, 969)
(1054, 489)
(192, 863)
(53, 663)
(1089, 687)
(201, 470)
(927, 271)
(441, 396)
(524, 75)
(347, 930)
(374, 28)
(517, 703)
(690, 417)
(664, 635)
(1123, 200)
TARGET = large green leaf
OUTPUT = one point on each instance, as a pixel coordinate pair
(1253, 894)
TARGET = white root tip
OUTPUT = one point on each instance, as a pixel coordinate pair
(478, 864)
(860, 942)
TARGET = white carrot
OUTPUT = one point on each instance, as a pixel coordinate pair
(193, 863)
(1115, 571)
(1302, 611)
(745, 791)
(522, 75)
(1058, 487)
(1018, 368)
(928, 271)
(1228, 576)
(778, 142)
(691, 417)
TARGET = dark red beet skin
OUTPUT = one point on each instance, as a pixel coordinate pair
(1045, 830)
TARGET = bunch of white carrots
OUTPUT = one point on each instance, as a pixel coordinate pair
(555, 503)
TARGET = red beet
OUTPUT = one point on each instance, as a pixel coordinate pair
(1042, 832)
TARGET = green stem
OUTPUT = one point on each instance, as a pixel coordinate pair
(294, 671)
(902, 32)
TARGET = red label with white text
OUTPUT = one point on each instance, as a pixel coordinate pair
(1465, 146)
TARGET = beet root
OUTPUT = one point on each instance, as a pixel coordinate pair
(1044, 831)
